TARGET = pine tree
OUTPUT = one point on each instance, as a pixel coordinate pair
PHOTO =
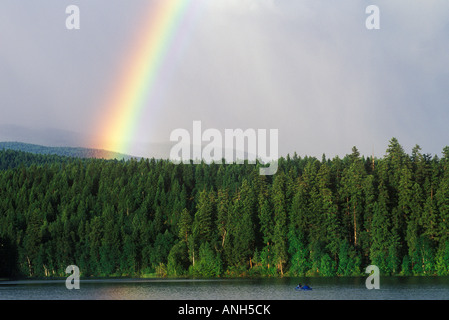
(185, 225)
(243, 235)
(299, 261)
(32, 242)
(414, 231)
(222, 214)
(280, 223)
(381, 235)
(352, 192)
(204, 217)
(442, 199)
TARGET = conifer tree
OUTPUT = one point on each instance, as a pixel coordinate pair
(280, 223)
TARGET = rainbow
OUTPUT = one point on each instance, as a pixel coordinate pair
(122, 110)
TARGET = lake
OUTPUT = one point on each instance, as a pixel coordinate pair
(352, 288)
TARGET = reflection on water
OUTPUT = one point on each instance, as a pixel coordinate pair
(391, 288)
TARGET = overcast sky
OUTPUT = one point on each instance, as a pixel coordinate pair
(308, 68)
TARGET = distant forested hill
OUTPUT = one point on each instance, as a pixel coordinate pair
(10, 159)
(327, 217)
(63, 151)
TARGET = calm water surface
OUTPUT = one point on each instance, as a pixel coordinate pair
(391, 288)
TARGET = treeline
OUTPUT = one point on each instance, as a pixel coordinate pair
(328, 217)
(62, 151)
(10, 159)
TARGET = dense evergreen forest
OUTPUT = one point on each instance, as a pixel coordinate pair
(147, 217)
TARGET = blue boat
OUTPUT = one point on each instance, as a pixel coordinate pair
(303, 288)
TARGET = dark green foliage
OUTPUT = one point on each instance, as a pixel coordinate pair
(177, 261)
(299, 261)
(8, 258)
(62, 151)
(139, 217)
(209, 263)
